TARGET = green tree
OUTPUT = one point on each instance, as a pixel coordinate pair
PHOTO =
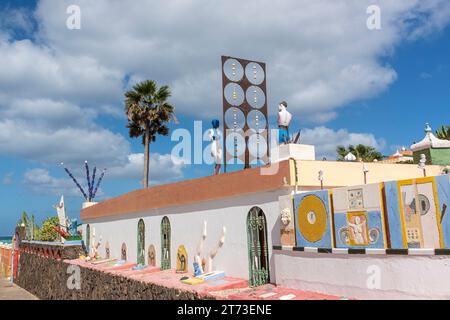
(24, 221)
(48, 232)
(360, 151)
(443, 133)
(148, 113)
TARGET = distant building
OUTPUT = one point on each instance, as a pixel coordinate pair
(403, 156)
(436, 151)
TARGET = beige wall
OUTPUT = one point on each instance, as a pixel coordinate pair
(340, 173)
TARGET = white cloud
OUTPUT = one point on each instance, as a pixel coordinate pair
(320, 56)
(162, 168)
(41, 182)
(61, 133)
(326, 140)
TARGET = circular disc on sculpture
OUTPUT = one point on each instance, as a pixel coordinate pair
(255, 97)
(254, 73)
(257, 145)
(235, 143)
(312, 218)
(234, 94)
(256, 121)
(234, 118)
(233, 70)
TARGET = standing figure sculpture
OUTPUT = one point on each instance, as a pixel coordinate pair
(216, 148)
(284, 120)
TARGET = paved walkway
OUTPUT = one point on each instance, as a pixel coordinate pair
(10, 291)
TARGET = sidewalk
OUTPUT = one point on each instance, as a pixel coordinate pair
(9, 291)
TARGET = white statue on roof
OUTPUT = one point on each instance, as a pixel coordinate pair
(430, 141)
(61, 211)
(350, 157)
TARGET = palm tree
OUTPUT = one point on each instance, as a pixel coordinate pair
(444, 133)
(148, 113)
(360, 151)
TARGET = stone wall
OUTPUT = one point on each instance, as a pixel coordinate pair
(47, 278)
(52, 250)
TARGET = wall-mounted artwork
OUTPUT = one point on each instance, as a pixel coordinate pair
(287, 221)
(123, 252)
(414, 213)
(151, 256)
(313, 222)
(107, 251)
(182, 260)
(358, 215)
(443, 192)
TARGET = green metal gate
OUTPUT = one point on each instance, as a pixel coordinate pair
(88, 239)
(258, 256)
(141, 242)
(165, 244)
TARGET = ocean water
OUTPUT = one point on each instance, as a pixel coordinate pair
(6, 239)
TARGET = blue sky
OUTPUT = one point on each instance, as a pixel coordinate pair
(61, 90)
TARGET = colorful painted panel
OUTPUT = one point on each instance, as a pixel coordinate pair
(182, 260)
(287, 221)
(394, 220)
(313, 219)
(443, 192)
(417, 204)
(152, 256)
(107, 251)
(358, 217)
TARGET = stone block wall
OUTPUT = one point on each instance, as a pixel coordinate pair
(48, 278)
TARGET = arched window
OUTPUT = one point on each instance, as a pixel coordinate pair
(141, 242)
(258, 252)
(88, 238)
(165, 244)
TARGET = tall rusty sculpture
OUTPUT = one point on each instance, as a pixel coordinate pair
(244, 111)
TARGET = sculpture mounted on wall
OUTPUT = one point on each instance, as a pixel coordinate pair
(199, 264)
(216, 149)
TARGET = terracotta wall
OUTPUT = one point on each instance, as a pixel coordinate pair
(5, 261)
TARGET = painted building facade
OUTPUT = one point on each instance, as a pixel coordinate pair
(262, 244)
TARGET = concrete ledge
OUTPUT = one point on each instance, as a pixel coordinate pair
(399, 274)
(410, 252)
